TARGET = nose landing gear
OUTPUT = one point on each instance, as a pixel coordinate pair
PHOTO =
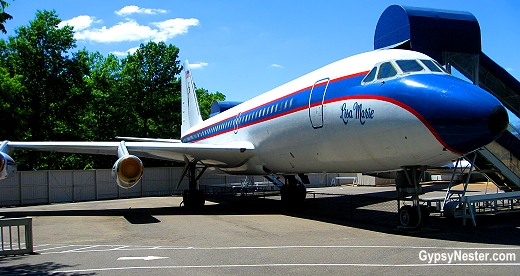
(415, 216)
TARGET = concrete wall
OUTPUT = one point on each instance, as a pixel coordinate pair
(46, 187)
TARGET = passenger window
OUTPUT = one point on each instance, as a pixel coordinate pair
(432, 65)
(408, 66)
(386, 70)
(371, 75)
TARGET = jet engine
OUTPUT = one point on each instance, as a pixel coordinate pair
(128, 170)
(7, 166)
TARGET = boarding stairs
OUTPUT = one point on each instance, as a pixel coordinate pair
(499, 163)
(504, 176)
(495, 162)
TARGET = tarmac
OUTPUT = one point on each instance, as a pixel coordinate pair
(336, 231)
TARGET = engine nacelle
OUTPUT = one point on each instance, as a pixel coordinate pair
(128, 170)
(7, 166)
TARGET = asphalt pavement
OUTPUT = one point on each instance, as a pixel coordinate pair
(259, 236)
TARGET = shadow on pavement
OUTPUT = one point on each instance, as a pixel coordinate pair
(375, 212)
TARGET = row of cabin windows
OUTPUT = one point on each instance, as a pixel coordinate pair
(265, 111)
(387, 69)
(249, 117)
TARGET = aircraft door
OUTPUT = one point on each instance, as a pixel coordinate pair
(316, 99)
(236, 123)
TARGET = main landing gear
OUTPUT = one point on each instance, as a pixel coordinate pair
(408, 186)
(193, 197)
(293, 191)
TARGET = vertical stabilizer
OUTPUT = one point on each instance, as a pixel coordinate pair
(190, 106)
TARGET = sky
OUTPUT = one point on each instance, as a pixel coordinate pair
(243, 48)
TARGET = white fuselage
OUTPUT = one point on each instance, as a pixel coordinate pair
(325, 122)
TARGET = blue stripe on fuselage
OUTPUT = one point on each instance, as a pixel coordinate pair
(453, 110)
(288, 104)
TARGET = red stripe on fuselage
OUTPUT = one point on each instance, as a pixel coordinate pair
(268, 103)
(401, 105)
(365, 97)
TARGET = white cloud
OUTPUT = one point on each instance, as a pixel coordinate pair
(127, 10)
(133, 31)
(120, 53)
(173, 27)
(79, 22)
(276, 65)
(123, 31)
(125, 53)
(198, 65)
(132, 50)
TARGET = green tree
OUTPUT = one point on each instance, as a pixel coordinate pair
(51, 93)
(107, 106)
(54, 97)
(14, 126)
(4, 16)
(206, 99)
(152, 91)
(40, 53)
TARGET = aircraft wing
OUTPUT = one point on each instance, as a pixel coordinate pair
(221, 155)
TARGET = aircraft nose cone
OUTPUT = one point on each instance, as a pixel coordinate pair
(465, 116)
(498, 120)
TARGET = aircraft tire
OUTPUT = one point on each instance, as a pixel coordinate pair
(451, 209)
(193, 198)
(287, 194)
(301, 192)
(408, 216)
(293, 194)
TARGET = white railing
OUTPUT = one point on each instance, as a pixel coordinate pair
(489, 204)
(14, 242)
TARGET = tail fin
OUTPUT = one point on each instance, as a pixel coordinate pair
(190, 106)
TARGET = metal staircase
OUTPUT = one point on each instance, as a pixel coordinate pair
(501, 167)
(502, 172)
(496, 162)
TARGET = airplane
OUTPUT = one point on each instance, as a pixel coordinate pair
(379, 111)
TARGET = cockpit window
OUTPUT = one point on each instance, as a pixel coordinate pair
(386, 70)
(371, 75)
(402, 67)
(408, 66)
(433, 66)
